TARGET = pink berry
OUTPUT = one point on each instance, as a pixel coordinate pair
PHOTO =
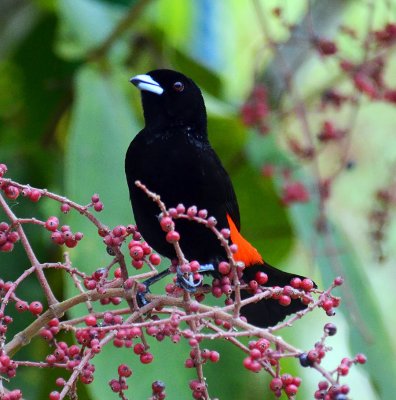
(7, 247)
(261, 278)
(146, 358)
(21, 306)
(52, 224)
(98, 206)
(212, 222)
(361, 358)
(90, 320)
(172, 237)
(284, 300)
(124, 370)
(214, 356)
(307, 285)
(12, 192)
(36, 308)
(54, 395)
(291, 390)
(35, 195)
(167, 224)
(203, 213)
(338, 281)
(136, 252)
(155, 259)
(3, 170)
(276, 384)
(295, 282)
(65, 208)
(224, 268)
(139, 349)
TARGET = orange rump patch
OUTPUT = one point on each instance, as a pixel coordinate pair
(246, 252)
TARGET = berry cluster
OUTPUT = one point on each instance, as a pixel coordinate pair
(185, 319)
(119, 385)
(8, 237)
(64, 235)
(255, 111)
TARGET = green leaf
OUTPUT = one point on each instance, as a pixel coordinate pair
(84, 25)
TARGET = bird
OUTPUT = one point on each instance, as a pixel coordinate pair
(172, 156)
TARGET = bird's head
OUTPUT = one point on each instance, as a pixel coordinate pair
(170, 98)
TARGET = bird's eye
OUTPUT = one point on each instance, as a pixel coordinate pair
(178, 86)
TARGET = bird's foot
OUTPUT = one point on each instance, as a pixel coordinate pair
(191, 281)
(141, 298)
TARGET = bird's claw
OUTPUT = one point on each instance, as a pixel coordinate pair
(141, 298)
(187, 282)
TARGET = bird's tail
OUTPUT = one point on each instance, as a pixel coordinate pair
(269, 312)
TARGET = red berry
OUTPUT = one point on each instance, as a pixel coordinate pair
(3, 238)
(361, 358)
(78, 236)
(139, 348)
(3, 169)
(192, 211)
(98, 206)
(214, 356)
(307, 284)
(338, 281)
(291, 390)
(52, 224)
(65, 208)
(7, 247)
(155, 259)
(212, 221)
(172, 237)
(323, 385)
(326, 47)
(284, 300)
(36, 308)
(5, 360)
(53, 322)
(115, 385)
(124, 370)
(251, 364)
(54, 395)
(343, 369)
(11, 192)
(224, 268)
(276, 384)
(167, 224)
(234, 248)
(21, 306)
(35, 195)
(261, 278)
(146, 358)
(136, 252)
(57, 238)
(90, 320)
(287, 379)
(294, 192)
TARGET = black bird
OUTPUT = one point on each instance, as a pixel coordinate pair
(172, 156)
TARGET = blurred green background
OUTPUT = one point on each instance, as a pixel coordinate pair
(68, 113)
